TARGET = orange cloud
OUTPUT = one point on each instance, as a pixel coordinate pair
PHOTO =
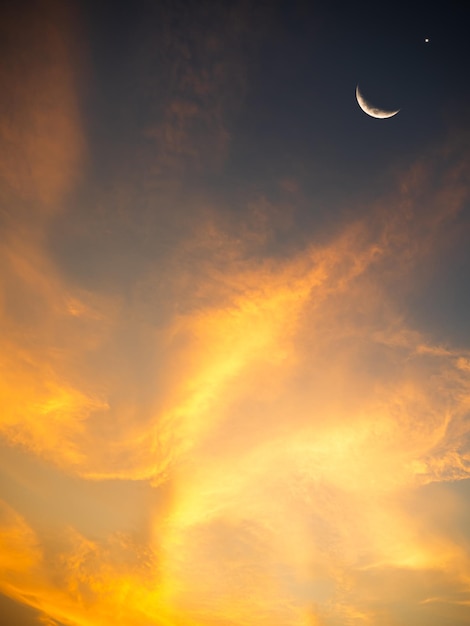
(40, 135)
(285, 402)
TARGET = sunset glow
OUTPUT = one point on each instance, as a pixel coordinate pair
(229, 397)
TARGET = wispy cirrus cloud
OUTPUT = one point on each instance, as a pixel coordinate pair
(208, 427)
(295, 406)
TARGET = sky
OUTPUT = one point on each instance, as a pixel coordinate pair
(234, 341)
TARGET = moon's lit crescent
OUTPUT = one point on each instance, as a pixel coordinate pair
(371, 110)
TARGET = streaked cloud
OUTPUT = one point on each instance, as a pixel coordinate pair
(200, 425)
(42, 143)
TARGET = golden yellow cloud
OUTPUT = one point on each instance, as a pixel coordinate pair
(295, 406)
(282, 410)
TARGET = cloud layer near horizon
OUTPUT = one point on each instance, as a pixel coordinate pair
(200, 426)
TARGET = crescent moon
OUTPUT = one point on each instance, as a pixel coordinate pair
(380, 114)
